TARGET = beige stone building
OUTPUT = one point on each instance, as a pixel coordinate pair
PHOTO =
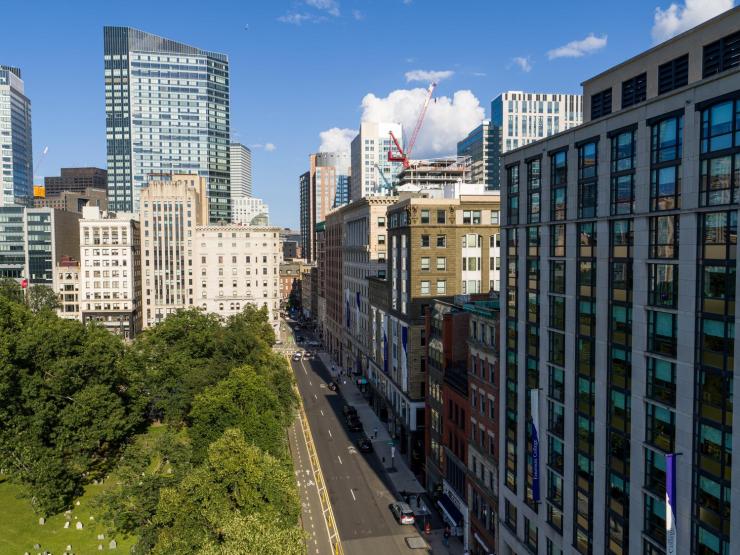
(236, 266)
(110, 268)
(171, 208)
(74, 201)
(67, 287)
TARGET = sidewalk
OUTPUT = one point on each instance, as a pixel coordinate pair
(399, 474)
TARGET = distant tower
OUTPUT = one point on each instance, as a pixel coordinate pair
(16, 186)
(241, 171)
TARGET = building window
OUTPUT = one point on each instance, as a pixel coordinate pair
(622, 172)
(557, 240)
(441, 216)
(424, 287)
(663, 285)
(424, 216)
(634, 90)
(721, 55)
(557, 312)
(441, 287)
(673, 74)
(662, 337)
(661, 380)
(530, 535)
(557, 276)
(441, 263)
(512, 184)
(425, 240)
(533, 190)
(660, 427)
(720, 153)
(666, 142)
(495, 217)
(664, 237)
(601, 104)
(510, 515)
(424, 263)
(558, 185)
(587, 180)
(557, 348)
(381, 221)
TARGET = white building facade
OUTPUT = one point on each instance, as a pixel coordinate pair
(372, 173)
(241, 171)
(110, 268)
(236, 266)
(249, 211)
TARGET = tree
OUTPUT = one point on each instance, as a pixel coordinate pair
(10, 289)
(236, 480)
(42, 297)
(256, 535)
(245, 400)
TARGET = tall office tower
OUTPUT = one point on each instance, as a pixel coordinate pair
(241, 171)
(167, 111)
(324, 187)
(482, 145)
(16, 186)
(372, 173)
(171, 208)
(76, 180)
(110, 280)
(622, 336)
(237, 266)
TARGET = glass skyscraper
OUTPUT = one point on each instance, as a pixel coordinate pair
(167, 111)
(15, 139)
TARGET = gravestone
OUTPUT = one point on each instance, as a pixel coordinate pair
(101, 536)
(78, 525)
(42, 521)
(69, 548)
(112, 544)
(66, 524)
(100, 547)
(77, 503)
(37, 546)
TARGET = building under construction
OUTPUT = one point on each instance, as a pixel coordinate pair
(435, 173)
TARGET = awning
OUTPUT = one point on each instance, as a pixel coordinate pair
(452, 514)
(481, 542)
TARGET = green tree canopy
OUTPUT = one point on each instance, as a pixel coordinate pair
(42, 297)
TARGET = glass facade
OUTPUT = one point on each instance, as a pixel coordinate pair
(167, 111)
(16, 158)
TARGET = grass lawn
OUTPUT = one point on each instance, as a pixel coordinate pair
(20, 530)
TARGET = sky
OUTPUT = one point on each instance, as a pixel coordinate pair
(304, 73)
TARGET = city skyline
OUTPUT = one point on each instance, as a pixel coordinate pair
(266, 100)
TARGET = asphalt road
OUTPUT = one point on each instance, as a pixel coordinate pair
(359, 492)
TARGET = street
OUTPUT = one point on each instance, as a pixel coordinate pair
(359, 495)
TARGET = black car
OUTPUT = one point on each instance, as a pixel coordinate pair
(333, 386)
(349, 410)
(354, 425)
(365, 445)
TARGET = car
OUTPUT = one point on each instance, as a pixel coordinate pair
(306, 354)
(333, 386)
(297, 356)
(349, 409)
(403, 513)
(354, 425)
(365, 445)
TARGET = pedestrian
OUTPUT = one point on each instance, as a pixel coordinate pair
(375, 432)
(418, 501)
(447, 534)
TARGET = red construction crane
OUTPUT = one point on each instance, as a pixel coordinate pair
(402, 156)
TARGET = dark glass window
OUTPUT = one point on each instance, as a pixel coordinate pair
(557, 312)
(512, 183)
(559, 169)
(634, 90)
(558, 201)
(622, 172)
(621, 238)
(664, 237)
(662, 338)
(660, 427)
(654, 525)
(661, 380)
(601, 103)
(587, 239)
(721, 55)
(557, 348)
(557, 276)
(663, 285)
(533, 190)
(557, 240)
(557, 383)
(673, 74)
(719, 236)
(623, 151)
(587, 180)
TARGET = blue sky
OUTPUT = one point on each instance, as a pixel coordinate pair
(304, 66)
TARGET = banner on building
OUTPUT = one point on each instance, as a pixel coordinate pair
(670, 504)
(535, 402)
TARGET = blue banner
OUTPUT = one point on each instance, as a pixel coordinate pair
(535, 402)
(404, 337)
(670, 504)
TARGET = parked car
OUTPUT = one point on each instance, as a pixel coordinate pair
(354, 425)
(306, 354)
(402, 513)
(365, 445)
(349, 409)
(333, 386)
(297, 356)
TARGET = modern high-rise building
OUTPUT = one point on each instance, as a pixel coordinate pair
(372, 173)
(171, 208)
(618, 339)
(482, 147)
(76, 180)
(241, 171)
(110, 268)
(167, 112)
(16, 184)
(323, 188)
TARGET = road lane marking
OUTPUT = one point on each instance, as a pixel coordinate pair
(340, 459)
(314, 396)
(321, 411)
(331, 436)
(353, 494)
(310, 382)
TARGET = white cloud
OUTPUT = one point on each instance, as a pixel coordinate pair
(270, 147)
(358, 15)
(578, 48)
(447, 121)
(336, 139)
(329, 6)
(295, 18)
(524, 63)
(424, 75)
(676, 18)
